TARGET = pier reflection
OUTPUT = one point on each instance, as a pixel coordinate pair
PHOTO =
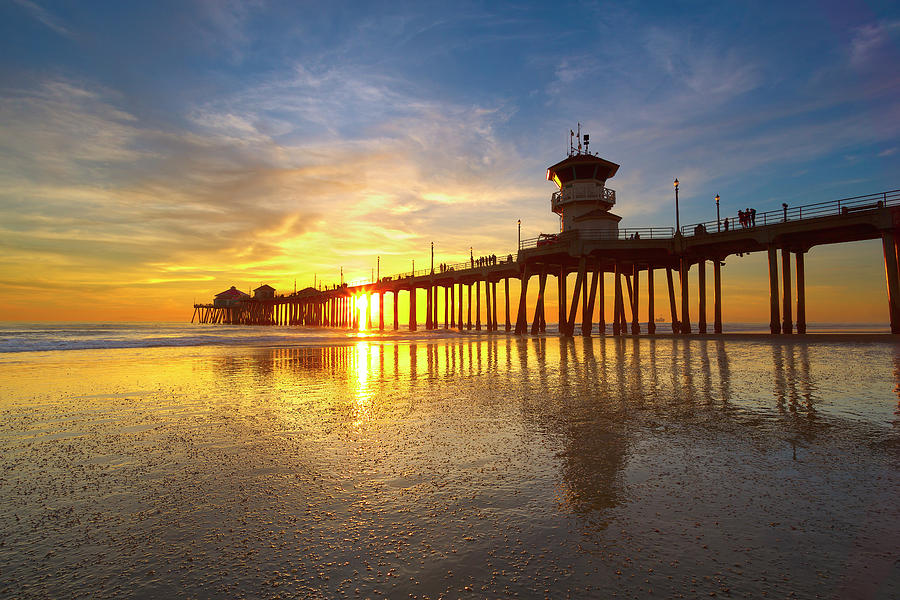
(592, 400)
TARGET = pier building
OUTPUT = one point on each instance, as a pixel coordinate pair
(592, 245)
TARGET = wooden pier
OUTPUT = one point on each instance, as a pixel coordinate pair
(599, 253)
(599, 259)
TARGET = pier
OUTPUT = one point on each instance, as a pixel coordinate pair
(599, 253)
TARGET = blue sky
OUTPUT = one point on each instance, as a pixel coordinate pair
(160, 151)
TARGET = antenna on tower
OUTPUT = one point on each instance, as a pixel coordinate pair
(587, 143)
(579, 138)
(571, 142)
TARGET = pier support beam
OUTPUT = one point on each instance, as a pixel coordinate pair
(506, 299)
(717, 296)
(601, 294)
(651, 306)
(428, 308)
(381, 311)
(494, 305)
(459, 308)
(478, 305)
(487, 305)
(888, 243)
(617, 300)
(412, 308)
(635, 302)
(801, 293)
(452, 305)
(521, 317)
(447, 310)
(561, 285)
(539, 305)
(774, 317)
(587, 319)
(672, 310)
(576, 297)
(396, 310)
(701, 316)
(787, 325)
(684, 325)
(469, 307)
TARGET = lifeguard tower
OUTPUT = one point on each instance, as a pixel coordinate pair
(583, 201)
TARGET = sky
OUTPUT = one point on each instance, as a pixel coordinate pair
(153, 154)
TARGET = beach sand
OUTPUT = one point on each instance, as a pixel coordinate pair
(456, 468)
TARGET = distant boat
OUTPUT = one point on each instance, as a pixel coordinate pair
(660, 319)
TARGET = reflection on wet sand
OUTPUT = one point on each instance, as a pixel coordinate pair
(586, 393)
(457, 467)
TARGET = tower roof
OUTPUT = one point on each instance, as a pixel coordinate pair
(581, 166)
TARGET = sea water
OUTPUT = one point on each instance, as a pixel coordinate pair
(209, 461)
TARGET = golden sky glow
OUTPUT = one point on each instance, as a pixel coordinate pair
(130, 191)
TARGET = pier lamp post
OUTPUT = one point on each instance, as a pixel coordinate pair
(432, 258)
(718, 220)
(519, 246)
(677, 218)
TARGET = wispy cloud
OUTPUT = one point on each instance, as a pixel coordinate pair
(45, 17)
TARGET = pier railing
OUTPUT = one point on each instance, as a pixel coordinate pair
(844, 206)
(634, 233)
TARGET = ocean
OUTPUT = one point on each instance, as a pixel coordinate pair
(189, 461)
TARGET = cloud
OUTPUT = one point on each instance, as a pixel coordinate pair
(45, 17)
(870, 42)
(94, 191)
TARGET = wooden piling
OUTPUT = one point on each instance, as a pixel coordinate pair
(506, 300)
(787, 325)
(617, 299)
(521, 318)
(801, 293)
(717, 295)
(396, 309)
(701, 296)
(636, 303)
(562, 300)
(446, 307)
(487, 304)
(576, 297)
(452, 288)
(469, 308)
(651, 299)
(412, 307)
(459, 321)
(539, 305)
(601, 301)
(774, 317)
(428, 309)
(587, 317)
(685, 323)
(892, 277)
(477, 305)
(672, 310)
(494, 304)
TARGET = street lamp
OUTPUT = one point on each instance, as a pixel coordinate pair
(677, 218)
(519, 247)
(432, 258)
(718, 221)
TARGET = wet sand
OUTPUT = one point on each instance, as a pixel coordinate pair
(487, 467)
